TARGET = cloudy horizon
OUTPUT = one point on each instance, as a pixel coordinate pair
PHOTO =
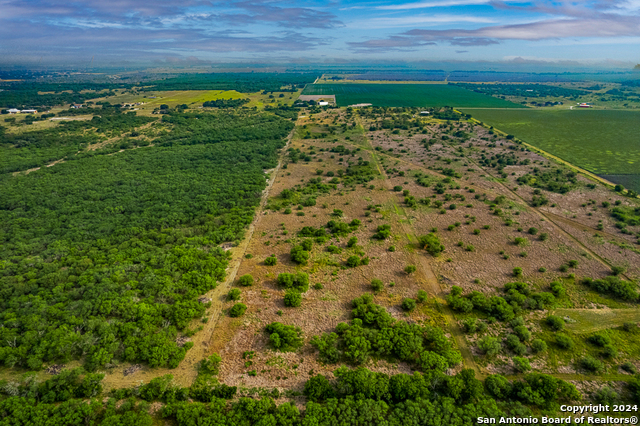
(605, 32)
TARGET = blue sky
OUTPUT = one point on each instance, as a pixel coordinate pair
(605, 32)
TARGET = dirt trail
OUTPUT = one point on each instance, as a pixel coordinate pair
(429, 277)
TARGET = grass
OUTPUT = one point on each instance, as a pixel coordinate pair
(195, 98)
(627, 344)
(590, 320)
(406, 95)
(604, 142)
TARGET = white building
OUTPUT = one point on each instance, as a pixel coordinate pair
(13, 111)
(29, 111)
(323, 103)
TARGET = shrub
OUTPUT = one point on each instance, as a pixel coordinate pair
(609, 351)
(564, 268)
(470, 325)
(284, 337)
(520, 241)
(383, 232)
(397, 188)
(245, 280)
(334, 249)
(422, 296)
(307, 245)
(629, 367)
(557, 289)
(353, 261)
(589, 363)
(625, 290)
(599, 340)
(392, 248)
(376, 285)
(630, 327)
(271, 260)
(237, 310)
(408, 304)
(555, 322)
(318, 389)
(533, 231)
(292, 298)
(298, 281)
(538, 345)
(517, 272)
(431, 243)
(522, 333)
(606, 396)
(234, 294)
(299, 255)
(544, 236)
(617, 270)
(564, 342)
(521, 364)
(352, 242)
(489, 345)
(572, 263)
(211, 365)
(410, 269)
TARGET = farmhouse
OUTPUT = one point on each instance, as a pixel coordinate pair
(323, 103)
(29, 111)
(584, 105)
(77, 106)
(424, 113)
(13, 111)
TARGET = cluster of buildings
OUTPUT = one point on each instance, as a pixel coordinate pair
(132, 104)
(24, 111)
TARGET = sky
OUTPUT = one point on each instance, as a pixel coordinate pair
(192, 32)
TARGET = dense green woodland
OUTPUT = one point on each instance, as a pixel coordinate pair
(245, 82)
(30, 94)
(45, 95)
(25, 150)
(353, 397)
(103, 258)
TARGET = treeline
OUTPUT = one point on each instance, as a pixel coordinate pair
(47, 95)
(523, 90)
(225, 103)
(517, 297)
(104, 258)
(354, 397)
(241, 82)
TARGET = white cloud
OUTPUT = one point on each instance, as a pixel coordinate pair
(416, 20)
(431, 4)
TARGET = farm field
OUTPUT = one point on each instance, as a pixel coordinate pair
(406, 95)
(602, 142)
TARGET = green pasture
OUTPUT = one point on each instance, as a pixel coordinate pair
(407, 95)
(605, 142)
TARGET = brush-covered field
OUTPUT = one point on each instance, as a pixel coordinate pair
(406, 95)
(603, 142)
